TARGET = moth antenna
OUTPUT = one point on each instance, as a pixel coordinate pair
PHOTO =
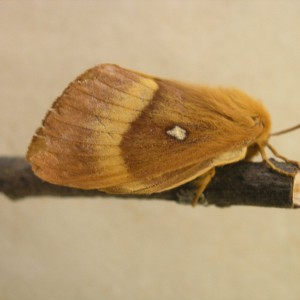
(271, 165)
(286, 130)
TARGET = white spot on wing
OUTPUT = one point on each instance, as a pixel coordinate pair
(177, 132)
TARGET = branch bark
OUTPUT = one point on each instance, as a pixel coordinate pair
(243, 183)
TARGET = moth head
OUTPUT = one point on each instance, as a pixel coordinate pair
(264, 136)
(263, 121)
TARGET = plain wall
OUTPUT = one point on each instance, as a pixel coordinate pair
(53, 248)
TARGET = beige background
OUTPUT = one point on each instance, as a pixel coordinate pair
(54, 248)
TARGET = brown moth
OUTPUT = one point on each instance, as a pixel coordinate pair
(125, 132)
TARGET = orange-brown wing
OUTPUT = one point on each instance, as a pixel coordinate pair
(121, 131)
(79, 142)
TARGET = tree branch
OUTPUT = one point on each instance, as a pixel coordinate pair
(243, 183)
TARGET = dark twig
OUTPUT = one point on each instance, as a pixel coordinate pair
(243, 183)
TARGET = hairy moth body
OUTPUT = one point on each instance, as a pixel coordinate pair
(121, 131)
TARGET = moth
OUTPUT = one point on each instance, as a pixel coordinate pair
(124, 132)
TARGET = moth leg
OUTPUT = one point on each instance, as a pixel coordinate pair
(277, 154)
(271, 165)
(201, 183)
